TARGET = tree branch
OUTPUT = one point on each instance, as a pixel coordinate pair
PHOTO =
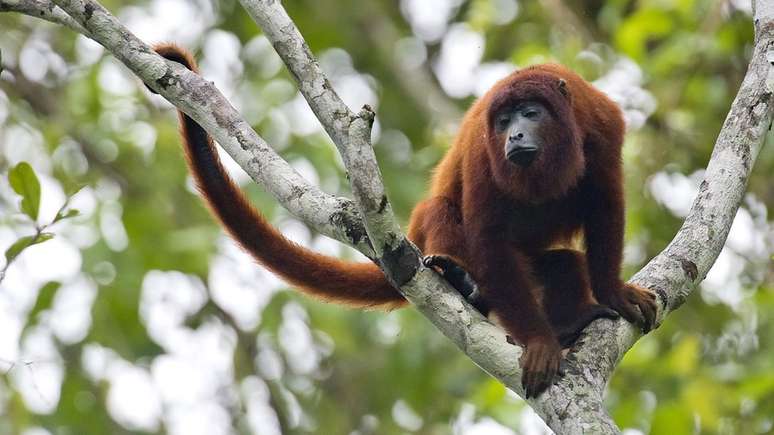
(352, 135)
(277, 26)
(44, 10)
(574, 404)
(677, 271)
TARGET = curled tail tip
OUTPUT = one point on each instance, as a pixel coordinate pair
(176, 53)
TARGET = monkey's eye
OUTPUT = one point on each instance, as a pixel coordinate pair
(530, 114)
(502, 122)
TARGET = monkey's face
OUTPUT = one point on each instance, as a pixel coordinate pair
(521, 128)
(533, 142)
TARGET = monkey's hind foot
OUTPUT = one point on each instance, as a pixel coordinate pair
(569, 334)
(458, 277)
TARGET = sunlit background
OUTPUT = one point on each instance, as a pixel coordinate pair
(140, 316)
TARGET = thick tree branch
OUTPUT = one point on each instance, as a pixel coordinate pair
(575, 404)
(44, 10)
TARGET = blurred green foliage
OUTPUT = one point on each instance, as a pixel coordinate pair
(693, 375)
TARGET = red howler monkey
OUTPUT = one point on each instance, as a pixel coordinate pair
(537, 161)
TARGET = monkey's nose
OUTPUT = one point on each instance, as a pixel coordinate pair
(516, 137)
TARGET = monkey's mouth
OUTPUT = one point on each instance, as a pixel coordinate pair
(522, 155)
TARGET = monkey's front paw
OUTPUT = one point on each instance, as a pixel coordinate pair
(451, 270)
(635, 304)
(540, 364)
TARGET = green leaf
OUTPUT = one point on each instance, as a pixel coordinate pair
(42, 238)
(72, 191)
(24, 182)
(66, 214)
(23, 243)
(45, 298)
(17, 247)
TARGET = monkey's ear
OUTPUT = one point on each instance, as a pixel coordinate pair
(563, 87)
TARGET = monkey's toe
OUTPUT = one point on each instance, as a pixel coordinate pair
(540, 364)
(441, 262)
(637, 305)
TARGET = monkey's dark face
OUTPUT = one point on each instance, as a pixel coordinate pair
(521, 128)
(533, 142)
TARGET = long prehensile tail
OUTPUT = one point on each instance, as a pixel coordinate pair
(328, 278)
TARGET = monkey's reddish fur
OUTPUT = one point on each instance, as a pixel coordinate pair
(496, 219)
